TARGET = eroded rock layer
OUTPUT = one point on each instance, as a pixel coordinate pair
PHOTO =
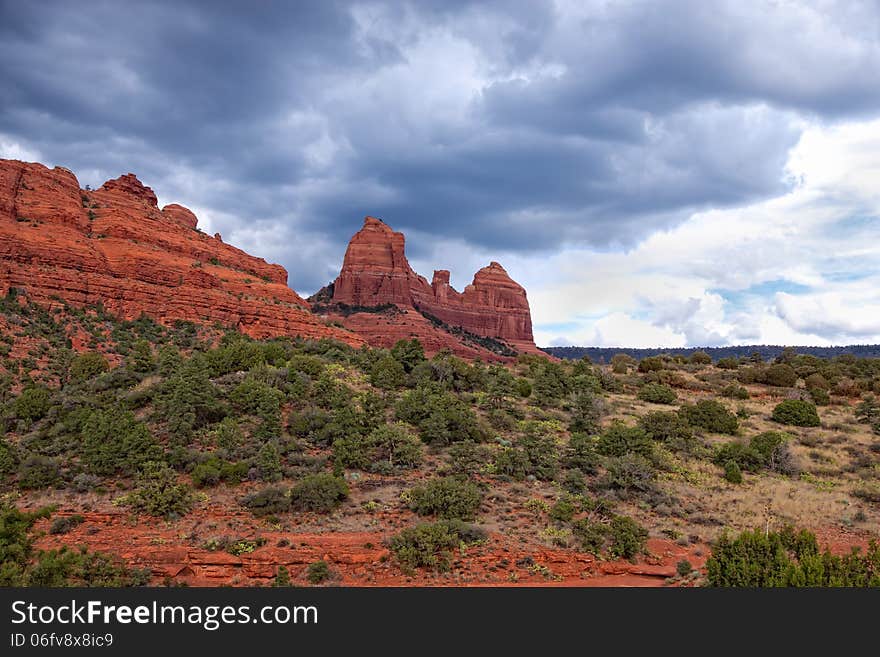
(375, 272)
(115, 246)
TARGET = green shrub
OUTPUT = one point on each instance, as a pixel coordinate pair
(8, 457)
(522, 387)
(319, 492)
(430, 545)
(742, 454)
(80, 568)
(37, 471)
(64, 524)
(550, 384)
(387, 373)
(282, 577)
(442, 418)
(269, 462)
(787, 558)
(310, 365)
(628, 537)
(385, 448)
(683, 568)
(586, 410)
(700, 358)
(796, 412)
(189, 399)
(766, 443)
(592, 536)
(816, 381)
(467, 458)
(781, 375)
(732, 472)
(234, 472)
(206, 474)
(32, 404)
(87, 365)
(16, 544)
(727, 363)
(582, 454)
(620, 363)
(734, 391)
(668, 427)
(652, 364)
(318, 572)
(448, 498)
(631, 473)
(657, 393)
(563, 510)
(269, 501)
(619, 439)
(711, 415)
(159, 493)
(820, 396)
(114, 441)
(409, 353)
(532, 454)
(141, 357)
(622, 537)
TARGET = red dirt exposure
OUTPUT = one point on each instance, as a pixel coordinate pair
(355, 558)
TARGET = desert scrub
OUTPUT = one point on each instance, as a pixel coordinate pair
(318, 572)
(22, 566)
(796, 412)
(788, 558)
(319, 492)
(268, 501)
(64, 524)
(711, 415)
(430, 545)
(620, 439)
(384, 449)
(621, 537)
(734, 391)
(448, 498)
(159, 493)
(669, 428)
(657, 393)
(770, 449)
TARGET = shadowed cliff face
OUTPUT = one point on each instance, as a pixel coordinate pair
(116, 247)
(375, 272)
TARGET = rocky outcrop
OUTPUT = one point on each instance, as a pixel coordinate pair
(115, 246)
(493, 305)
(375, 272)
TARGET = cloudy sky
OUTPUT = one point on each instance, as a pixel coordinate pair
(654, 173)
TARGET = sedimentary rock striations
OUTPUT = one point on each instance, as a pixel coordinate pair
(375, 272)
(115, 246)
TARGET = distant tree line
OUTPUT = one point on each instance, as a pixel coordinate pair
(765, 352)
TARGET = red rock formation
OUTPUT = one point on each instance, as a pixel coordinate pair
(375, 272)
(114, 246)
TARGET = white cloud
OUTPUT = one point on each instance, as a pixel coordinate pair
(14, 150)
(814, 249)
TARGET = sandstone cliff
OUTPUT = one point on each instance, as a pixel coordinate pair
(375, 272)
(115, 246)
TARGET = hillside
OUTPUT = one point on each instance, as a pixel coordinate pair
(189, 454)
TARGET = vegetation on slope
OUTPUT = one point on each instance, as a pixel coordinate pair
(161, 420)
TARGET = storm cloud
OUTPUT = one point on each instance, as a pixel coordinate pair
(517, 130)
